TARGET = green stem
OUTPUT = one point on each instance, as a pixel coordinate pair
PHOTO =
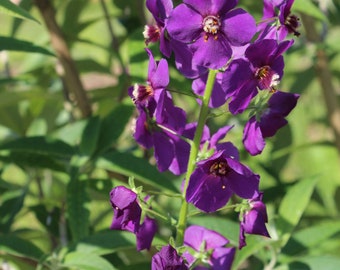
(159, 215)
(195, 145)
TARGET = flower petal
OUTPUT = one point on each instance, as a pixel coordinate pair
(239, 27)
(184, 24)
(146, 233)
(207, 192)
(195, 235)
(252, 137)
(211, 53)
(211, 7)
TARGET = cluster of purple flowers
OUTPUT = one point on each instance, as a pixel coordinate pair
(206, 35)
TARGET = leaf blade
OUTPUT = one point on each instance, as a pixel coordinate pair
(141, 169)
(7, 7)
(292, 207)
(13, 44)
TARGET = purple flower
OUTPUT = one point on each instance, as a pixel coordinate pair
(157, 81)
(163, 134)
(160, 9)
(269, 122)
(168, 258)
(159, 123)
(126, 210)
(254, 219)
(211, 27)
(218, 177)
(146, 233)
(209, 248)
(127, 215)
(261, 69)
(287, 22)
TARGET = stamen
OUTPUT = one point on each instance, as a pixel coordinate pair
(211, 25)
(292, 23)
(267, 78)
(219, 168)
(141, 93)
(151, 33)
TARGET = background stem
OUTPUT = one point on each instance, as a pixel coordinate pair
(70, 73)
(324, 75)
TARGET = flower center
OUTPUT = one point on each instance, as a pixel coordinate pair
(220, 168)
(292, 23)
(267, 78)
(141, 93)
(211, 25)
(151, 33)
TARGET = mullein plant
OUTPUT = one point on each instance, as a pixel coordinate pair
(230, 59)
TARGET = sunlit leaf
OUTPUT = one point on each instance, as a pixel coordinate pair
(313, 263)
(112, 126)
(311, 237)
(140, 168)
(255, 243)
(39, 145)
(77, 211)
(292, 207)
(7, 7)
(86, 261)
(13, 44)
(10, 204)
(309, 8)
(90, 136)
(106, 242)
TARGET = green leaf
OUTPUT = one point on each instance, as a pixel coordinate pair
(141, 169)
(71, 133)
(311, 237)
(34, 160)
(113, 125)
(86, 261)
(309, 8)
(13, 44)
(254, 244)
(50, 219)
(7, 7)
(11, 204)
(77, 208)
(16, 246)
(314, 263)
(292, 207)
(39, 145)
(106, 242)
(90, 136)
(38, 152)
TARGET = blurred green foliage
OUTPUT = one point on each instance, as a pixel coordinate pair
(57, 169)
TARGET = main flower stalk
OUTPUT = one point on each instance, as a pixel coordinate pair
(194, 149)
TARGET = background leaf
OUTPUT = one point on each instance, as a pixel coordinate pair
(7, 7)
(10, 204)
(140, 168)
(17, 246)
(113, 125)
(13, 44)
(86, 261)
(77, 211)
(292, 207)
